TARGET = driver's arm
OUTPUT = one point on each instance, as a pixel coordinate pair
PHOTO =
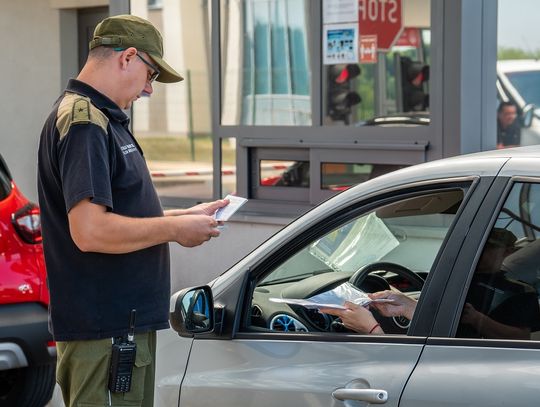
(356, 317)
(489, 328)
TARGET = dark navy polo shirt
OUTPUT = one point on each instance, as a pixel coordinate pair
(87, 151)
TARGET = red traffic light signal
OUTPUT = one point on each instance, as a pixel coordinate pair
(413, 76)
(341, 96)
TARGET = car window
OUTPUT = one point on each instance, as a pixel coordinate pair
(527, 84)
(502, 301)
(393, 246)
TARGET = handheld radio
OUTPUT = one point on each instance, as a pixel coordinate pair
(124, 350)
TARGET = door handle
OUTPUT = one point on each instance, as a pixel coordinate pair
(372, 396)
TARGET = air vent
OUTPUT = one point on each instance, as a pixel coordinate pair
(321, 321)
(286, 323)
(257, 317)
(256, 312)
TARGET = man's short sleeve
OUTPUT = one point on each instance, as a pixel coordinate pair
(84, 164)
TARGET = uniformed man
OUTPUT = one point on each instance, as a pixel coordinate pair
(104, 231)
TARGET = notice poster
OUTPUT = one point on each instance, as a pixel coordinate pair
(340, 44)
(340, 11)
(368, 49)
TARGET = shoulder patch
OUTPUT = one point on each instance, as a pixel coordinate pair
(76, 109)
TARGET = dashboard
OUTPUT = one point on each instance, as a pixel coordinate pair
(281, 317)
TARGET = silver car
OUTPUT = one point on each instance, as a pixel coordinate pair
(460, 236)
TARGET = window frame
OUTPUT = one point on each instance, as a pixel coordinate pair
(457, 287)
(424, 316)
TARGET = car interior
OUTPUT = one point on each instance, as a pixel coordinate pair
(391, 247)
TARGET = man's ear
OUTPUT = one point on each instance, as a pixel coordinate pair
(127, 56)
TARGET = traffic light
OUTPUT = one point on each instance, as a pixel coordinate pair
(341, 97)
(413, 76)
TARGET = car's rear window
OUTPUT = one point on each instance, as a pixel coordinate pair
(5, 184)
(527, 84)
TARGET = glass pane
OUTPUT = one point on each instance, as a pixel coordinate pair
(173, 126)
(502, 302)
(376, 64)
(518, 74)
(284, 173)
(265, 77)
(340, 176)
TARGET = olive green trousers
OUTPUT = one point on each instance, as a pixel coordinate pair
(82, 371)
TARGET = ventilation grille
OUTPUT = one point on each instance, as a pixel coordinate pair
(286, 323)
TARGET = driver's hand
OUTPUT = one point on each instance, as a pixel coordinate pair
(401, 305)
(355, 317)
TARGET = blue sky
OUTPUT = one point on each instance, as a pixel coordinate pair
(519, 24)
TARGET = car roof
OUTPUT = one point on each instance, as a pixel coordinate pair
(468, 166)
(485, 163)
(518, 65)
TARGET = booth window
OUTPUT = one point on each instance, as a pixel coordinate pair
(340, 176)
(387, 80)
(265, 77)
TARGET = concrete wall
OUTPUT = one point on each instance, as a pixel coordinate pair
(30, 83)
(199, 265)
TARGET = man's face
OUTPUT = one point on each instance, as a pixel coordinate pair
(507, 116)
(141, 80)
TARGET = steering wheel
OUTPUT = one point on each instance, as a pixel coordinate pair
(360, 275)
(396, 325)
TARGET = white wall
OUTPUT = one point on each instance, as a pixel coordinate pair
(30, 82)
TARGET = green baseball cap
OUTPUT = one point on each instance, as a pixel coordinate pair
(124, 31)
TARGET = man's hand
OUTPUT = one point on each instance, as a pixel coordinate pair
(401, 305)
(206, 208)
(471, 316)
(194, 230)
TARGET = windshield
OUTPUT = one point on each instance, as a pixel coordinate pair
(527, 83)
(408, 232)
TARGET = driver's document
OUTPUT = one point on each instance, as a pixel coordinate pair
(224, 213)
(334, 298)
(306, 303)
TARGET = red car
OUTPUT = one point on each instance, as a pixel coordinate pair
(27, 352)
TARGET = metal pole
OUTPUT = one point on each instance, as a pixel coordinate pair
(190, 116)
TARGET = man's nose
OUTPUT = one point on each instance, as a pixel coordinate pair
(148, 89)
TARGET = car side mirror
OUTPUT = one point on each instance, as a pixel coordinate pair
(192, 311)
(527, 115)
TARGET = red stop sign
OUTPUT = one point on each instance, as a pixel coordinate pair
(382, 18)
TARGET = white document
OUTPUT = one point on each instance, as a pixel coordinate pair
(340, 11)
(306, 303)
(316, 305)
(235, 202)
(334, 298)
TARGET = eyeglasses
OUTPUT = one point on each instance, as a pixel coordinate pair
(151, 76)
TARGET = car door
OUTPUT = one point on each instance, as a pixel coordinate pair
(466, 362)
(270, 353)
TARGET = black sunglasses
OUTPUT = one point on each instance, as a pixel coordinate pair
(151, 77)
